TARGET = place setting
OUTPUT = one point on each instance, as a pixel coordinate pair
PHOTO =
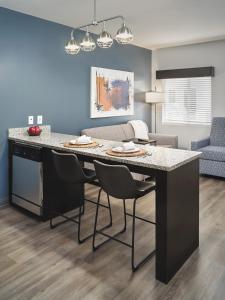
(83, 141)
(128, 149)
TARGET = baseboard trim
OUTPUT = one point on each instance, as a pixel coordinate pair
(4, 202)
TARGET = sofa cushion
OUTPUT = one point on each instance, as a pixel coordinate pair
(217, 135)
(213, 153)
(114, 132)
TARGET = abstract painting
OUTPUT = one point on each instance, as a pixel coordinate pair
(112, 93)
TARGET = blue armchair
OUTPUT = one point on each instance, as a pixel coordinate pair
(212, 159)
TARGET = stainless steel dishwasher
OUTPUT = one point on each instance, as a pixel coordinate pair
(27, 179)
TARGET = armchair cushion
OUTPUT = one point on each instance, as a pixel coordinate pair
(195, 145)
(215, 153)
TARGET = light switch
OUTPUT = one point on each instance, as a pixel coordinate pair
(39, 120)
(30, 120)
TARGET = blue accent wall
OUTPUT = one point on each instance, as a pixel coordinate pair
(38, 77)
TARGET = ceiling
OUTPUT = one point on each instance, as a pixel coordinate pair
(155, 23)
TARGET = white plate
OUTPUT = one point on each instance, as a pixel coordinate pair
(76, 142)
(120, 149)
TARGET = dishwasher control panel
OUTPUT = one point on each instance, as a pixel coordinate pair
(28, 152)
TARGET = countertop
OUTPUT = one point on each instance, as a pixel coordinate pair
(160, 158)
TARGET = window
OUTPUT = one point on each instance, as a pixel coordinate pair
(187, 100)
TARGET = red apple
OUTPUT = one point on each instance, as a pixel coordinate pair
(34, 131)
(37, 130)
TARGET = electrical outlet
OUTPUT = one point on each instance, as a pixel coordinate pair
(30, 120)
(39, 120)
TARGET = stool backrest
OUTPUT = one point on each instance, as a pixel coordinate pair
(116, 180)
(68, 167)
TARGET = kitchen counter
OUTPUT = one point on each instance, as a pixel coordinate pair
(176, 174)
(166, 159)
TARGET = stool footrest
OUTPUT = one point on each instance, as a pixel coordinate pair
(67, 219)
(91, 235)
(140, 218)
(111, 237)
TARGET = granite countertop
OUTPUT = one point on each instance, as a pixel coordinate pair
(166, 159)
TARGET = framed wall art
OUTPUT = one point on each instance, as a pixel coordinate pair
(112, 93)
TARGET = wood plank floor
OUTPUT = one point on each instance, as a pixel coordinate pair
(39, 263)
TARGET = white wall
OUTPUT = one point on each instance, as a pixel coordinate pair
(197, 55)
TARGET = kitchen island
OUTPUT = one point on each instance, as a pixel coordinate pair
(177, 190)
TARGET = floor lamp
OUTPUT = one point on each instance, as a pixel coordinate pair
(154, 98)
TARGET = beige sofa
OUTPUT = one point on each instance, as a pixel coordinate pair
(125, 131)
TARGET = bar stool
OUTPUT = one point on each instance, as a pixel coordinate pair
(117, 181)
(69, 171)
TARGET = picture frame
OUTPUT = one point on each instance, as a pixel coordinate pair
(112, 93)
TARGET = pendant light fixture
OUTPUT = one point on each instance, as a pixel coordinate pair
(104, 40)
(72, 47)
(124, 35)
(87, 44)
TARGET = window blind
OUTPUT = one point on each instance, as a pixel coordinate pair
(187, 100)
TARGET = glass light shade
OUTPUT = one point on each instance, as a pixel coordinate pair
(87, 44)
(124, 35)
(104, 40)
(72, 47)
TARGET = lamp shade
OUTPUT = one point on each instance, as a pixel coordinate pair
(124, 35)
(154, 97)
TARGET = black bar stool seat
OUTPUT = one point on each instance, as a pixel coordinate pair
(144, 187)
